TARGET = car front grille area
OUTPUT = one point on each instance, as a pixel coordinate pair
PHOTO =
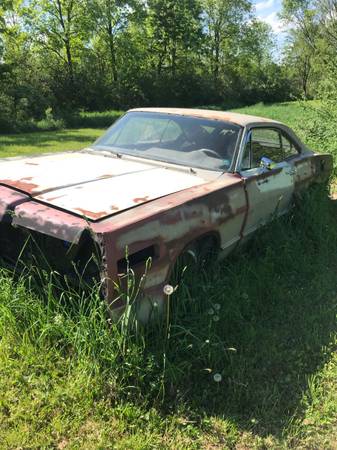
(23, 250)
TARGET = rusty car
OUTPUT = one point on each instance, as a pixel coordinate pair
(159, 181)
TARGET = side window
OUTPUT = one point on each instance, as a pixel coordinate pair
(289, 148)
(263, 142)
(246, 160)
(266, 142)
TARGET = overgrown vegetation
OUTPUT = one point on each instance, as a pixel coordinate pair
(58, 57)
(250, 360)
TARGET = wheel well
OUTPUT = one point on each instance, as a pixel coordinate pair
(199, 242)
(210, 237)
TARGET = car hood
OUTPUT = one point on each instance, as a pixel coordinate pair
(94, 185)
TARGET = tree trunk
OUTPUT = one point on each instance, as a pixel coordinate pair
(216, 54)
(66, 39)
(112, 53)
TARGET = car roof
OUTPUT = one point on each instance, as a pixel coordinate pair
(226, 116)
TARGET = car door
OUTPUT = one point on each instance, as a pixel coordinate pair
(268, 174)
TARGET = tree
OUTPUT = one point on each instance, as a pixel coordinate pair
(174, 31)
(60, 28)
(111, 19)
(223, 21)
(303, 40)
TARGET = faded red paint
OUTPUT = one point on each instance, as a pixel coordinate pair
(22, 185)
(141, 199)
(240, 119)
(91, 214)
(50, 199)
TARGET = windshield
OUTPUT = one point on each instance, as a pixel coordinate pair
(188, 141)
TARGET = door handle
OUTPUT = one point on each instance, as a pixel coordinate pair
(263, 181)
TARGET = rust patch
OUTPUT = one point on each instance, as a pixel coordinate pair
(108, 175)
(114, 208)
(26, 179)
(141, 199)
(92, 215)
(31, 164)
(240, 119)
(50, 199)
(20, 184)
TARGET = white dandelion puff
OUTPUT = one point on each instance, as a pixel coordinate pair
(217, 377)
(168, 289)
(216, 318)
(217, 307)
(210, 311)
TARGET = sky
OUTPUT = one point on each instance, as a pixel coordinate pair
(267, 10)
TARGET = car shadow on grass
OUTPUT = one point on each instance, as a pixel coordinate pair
(264, 320)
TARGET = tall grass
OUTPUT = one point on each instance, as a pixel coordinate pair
(244, 340)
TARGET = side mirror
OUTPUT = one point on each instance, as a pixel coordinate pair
(267, 163)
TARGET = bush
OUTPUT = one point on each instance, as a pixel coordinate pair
(50, 123)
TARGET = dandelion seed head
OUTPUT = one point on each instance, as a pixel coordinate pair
(216, 318)
(168, 289)
(210, 311)
(217, 307)
(217, 377)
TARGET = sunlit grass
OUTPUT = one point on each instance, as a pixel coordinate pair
(70, 379)
(47, 141)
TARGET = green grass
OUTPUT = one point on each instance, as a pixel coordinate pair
(47, 141)
(68, 379)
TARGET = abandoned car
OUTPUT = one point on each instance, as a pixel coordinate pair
(158, 181)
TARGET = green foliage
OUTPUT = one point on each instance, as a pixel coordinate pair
(49, 122)
(96, 55)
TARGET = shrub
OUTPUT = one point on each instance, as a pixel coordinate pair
(50, 122)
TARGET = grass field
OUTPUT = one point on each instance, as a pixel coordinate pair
(264, 319)
(47, 141)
